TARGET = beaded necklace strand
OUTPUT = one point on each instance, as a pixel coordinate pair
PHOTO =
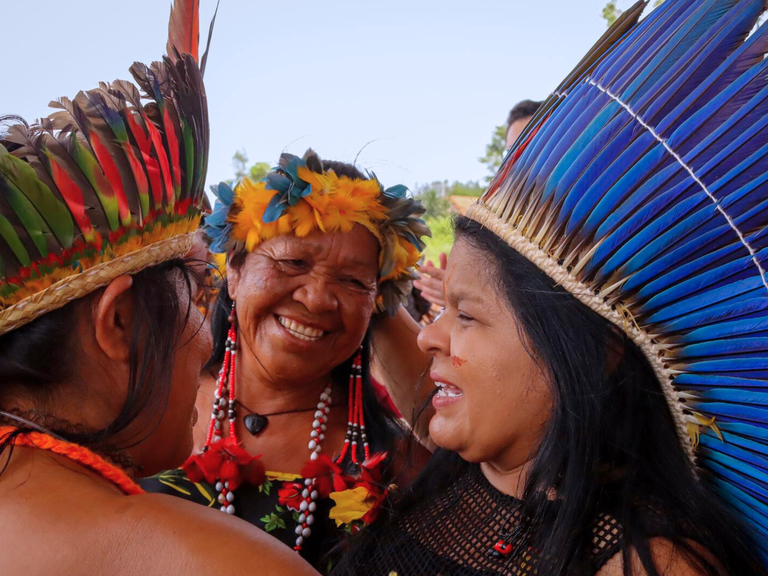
(76, 453)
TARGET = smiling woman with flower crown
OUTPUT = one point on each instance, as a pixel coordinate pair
(316, 250)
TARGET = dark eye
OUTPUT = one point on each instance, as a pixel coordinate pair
(355, 282)
(294, 263)
(464, 317)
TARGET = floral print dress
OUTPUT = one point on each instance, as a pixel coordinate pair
(273, 506)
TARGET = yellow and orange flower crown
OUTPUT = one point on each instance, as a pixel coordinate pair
(300, 197)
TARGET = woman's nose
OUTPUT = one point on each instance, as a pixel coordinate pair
(435, 339)
(317, 295)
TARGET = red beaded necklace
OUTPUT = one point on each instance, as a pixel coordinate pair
(226, 465)
(76, 453)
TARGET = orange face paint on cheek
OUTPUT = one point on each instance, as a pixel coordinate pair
(458, 362)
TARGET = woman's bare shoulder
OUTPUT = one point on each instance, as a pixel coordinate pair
(184, 538)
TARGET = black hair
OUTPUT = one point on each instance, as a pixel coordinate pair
(524, 109)
(159, 319)
(611, 445)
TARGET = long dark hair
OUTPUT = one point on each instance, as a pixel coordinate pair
(35, 358)
(610, 447)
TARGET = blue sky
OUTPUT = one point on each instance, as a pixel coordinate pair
(426, 80)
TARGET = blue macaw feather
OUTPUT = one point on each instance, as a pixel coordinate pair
(753, 484)
(753, 509)
(596, 214)
(708, 280)
(688, 270)
(712, 240)
(749, 433)
(643, 216)
(635, 212)
(726, 330)
(729, 365)
(278, 204)
(691, 25)
(738, 440)
(224, 192)
(716, 140)
(628, 144)
(726, 74)
(398, 191)
(635, 252)
(584, 155)
(689, 380)
(735, 411)
(727, 347)
(586, 178)
(740, 288)
(278, 182)
(691, 70)
(677, 255)
(735, 396)
(215, 225)
(552, 131)
(712, 275)
(563, 144)
(640, 44)
(745, 461)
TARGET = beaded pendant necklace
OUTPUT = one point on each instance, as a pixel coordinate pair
(250, 470)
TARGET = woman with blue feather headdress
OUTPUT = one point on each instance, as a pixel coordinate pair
(601, 366)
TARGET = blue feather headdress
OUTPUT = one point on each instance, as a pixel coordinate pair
(641, 187)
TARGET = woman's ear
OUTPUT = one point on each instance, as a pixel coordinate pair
(233, 278)
(113, 319)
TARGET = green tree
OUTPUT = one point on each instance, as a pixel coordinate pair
(442, 237)
(434, 201)
(240, 163)
(470, 188)
(259, 170)
(494, 151)
(611, 11)
(256, 172)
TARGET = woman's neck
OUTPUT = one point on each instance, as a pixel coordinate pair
(507, 480)
(263, 394)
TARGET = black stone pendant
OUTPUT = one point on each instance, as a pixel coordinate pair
(255, 423)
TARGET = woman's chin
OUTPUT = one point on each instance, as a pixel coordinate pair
(444, 433)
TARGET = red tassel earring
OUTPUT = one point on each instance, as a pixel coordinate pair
(355, 419)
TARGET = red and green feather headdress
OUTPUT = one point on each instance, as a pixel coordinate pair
(110, 184)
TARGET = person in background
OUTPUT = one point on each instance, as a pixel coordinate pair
(431, 283)
(518, 119)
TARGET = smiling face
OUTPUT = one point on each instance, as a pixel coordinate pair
(494, 401)
(304, 304)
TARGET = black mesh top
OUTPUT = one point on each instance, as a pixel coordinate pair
(454, 535)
